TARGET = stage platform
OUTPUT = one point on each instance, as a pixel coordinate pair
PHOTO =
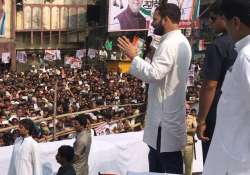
(114, 153)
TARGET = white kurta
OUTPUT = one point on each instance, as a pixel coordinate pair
(25, 158)
(167, 78)
(230, 148)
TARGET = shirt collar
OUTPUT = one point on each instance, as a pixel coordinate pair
(170, 33)
(242, 43)
(81, 133)
(27, 138)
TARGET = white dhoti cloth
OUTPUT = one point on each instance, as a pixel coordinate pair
(219, 162)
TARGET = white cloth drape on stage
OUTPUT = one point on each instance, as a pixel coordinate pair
(113, 153)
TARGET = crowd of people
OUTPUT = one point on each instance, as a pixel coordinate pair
(31, 95)
(169, 136)
(195, 78)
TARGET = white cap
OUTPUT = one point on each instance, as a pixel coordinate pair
(134, 101)
(92, 116)
(43, 122)
(13, 117)
(121, 109)
(99, 117)
(23, 118)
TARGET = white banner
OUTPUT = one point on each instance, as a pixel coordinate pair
(136, 15)
(52, 55)
(58, 55)
(114, 153)
(6, 57)
(21, 57)
(101, 130)
(74, 62)
(92, 53)
(81, 53)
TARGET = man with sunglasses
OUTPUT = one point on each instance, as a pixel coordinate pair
(220, 56)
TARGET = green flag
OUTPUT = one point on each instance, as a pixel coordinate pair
(108, 45)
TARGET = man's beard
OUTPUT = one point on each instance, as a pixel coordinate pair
(135, 10)
(159, 30)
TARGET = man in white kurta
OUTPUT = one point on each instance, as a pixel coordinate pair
(229, 152)
(25, 158)
(167, 77)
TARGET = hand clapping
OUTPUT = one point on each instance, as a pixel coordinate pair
(127, 47)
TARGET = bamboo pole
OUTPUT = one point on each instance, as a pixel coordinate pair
(72, 131)
(69, 114)
(55, 109)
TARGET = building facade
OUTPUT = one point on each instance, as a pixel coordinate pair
(36, 25)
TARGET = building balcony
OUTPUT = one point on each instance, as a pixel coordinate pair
(51, 17)
(44, 21)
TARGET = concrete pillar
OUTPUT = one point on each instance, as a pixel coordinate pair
(13, 56)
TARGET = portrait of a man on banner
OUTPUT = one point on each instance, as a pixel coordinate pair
(136, 15)
(126, 15)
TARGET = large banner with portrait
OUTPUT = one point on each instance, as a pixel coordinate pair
(52, 55)
(136, 15)
(3, 18)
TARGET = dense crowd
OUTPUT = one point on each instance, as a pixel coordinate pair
(194, 81)
(31, 95)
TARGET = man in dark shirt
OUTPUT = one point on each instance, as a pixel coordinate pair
(220, 56)
(131, 18)
(65, 157)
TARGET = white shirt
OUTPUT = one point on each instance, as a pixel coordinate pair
(167, 78)
(25, 158)
(233, 114)
(115, 26)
